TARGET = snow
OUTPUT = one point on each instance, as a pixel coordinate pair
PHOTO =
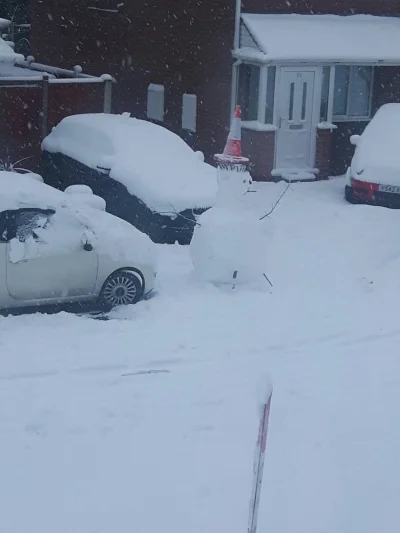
(147, 422)
(4, 23)
(84, 195)
(22, 190)
(153, 163)
(7, 54)
(377, 154)
(226, 242)
(353, 38)
(112, 236)
(255, 125)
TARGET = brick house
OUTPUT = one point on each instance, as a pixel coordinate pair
(306, 80)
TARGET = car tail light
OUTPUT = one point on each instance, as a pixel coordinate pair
(364, 189)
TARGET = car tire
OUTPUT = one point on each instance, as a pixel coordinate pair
(122, 287)
(348, 194)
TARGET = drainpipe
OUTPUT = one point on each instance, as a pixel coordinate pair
(238, 12)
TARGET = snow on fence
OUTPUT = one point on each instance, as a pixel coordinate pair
(32, 101)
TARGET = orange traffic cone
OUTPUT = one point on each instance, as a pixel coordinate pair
(232, 155)
(233, 147)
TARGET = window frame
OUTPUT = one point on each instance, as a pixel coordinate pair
(11, 215)
(262, 91)
(347, 117)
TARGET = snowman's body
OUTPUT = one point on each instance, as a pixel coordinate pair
(229, 243)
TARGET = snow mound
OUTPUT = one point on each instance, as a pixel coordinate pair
(226, 242)
(78, 189)
(84, 194)
(153, 163)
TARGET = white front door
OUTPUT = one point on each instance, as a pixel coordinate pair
(295, 119)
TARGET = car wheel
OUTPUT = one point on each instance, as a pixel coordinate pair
(348, 194)
(121, 288)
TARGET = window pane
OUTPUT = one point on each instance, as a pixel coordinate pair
(269, 110)
(304, 101)
(342, 79)
(26, 222)
(360, 91)
(249, 81)
(291, 102)
(326, 72)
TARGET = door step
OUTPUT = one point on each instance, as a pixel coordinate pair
(292, 175)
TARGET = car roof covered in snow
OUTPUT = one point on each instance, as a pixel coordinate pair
(22, 190)
(379, 146)
(115, 236)
(153, 163)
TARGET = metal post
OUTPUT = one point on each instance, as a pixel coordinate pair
(107, 95)
(238, 14)
(45, 105)
(259, 463)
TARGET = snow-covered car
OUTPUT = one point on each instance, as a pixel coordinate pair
(56, 250)
(374, 175)
(147, 175)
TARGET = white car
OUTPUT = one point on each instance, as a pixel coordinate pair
(55, 249)
(374, 175)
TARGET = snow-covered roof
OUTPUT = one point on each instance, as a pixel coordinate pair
(7, 54)
(153, 163)
(320, 38)
(22, 190)
(4, 23)
(10, 70)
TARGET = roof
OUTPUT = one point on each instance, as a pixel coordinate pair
(7, 53)
(320, 38)
(23, 190)
(152, 162)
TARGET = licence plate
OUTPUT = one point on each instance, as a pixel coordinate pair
(390, 188)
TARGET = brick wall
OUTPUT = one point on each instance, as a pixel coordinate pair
(323, 153)
(259, 147)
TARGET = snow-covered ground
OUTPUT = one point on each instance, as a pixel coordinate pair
(148, 422)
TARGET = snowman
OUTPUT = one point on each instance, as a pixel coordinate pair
(229, 242)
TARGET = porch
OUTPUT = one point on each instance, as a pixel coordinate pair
(306, 83)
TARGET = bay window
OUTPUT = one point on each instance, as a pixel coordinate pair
(249, 90)
(256, 92)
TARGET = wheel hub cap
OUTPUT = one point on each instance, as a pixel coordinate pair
(120, 291)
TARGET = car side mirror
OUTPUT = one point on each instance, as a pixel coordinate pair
(355, 139)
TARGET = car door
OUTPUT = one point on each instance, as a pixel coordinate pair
(46, 259)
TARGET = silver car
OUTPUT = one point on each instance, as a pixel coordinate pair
(54, 249)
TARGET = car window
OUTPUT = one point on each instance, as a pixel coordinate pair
(28, 221)
(4, 221)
